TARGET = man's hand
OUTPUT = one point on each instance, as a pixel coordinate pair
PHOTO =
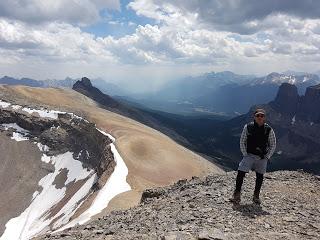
(261, 154)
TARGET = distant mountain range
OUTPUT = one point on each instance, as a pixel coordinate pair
(106, 87)
(68, 82)
(223, 93)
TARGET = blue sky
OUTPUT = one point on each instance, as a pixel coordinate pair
(117, 23)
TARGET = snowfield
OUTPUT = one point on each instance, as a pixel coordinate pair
(37, 218)
(34, 219)
(115, 185)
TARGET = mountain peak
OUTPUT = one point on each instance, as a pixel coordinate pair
(273, 74)
(287, 99)
(310, 102)
(86, 82)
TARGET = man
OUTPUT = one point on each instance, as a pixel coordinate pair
(257, 144)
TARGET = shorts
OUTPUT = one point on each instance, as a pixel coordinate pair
(254, 163)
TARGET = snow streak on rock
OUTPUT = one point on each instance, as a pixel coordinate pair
(4, 104)
(115, 185)
(35, 219)
(19, 134)
(43, 112)
(38, 218)
(107, 134)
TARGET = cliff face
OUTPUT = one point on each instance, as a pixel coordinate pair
(304, 108)
(200, 209)
(309, 106)
(287, 100)
(64, 134)
(53, 166)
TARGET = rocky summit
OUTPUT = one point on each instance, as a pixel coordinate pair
(200, 209)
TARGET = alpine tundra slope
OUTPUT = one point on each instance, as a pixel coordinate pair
(66, 161)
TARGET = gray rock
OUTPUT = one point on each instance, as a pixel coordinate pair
(213, 233)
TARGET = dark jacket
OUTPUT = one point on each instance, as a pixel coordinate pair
(257, 138)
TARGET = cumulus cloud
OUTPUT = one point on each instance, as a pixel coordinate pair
(271, 27)
(54, 41)
(71, 11)
(190, 35)
(242, 16)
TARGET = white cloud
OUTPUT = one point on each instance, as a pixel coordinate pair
(53, 41)
(181, 38)
(71, 11)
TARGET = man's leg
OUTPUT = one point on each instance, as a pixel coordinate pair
(244, 166)
(260, 167)
(259, 181)
(237, 192)
(239, 180)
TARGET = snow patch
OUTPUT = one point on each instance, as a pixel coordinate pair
(36, 193)
(4, 104)
(115, 185)
(78, 117)
(279, 152)
(16, 107)
(19, 134)
(293, 121)
(19, 137)
(43, 112)
(33, 221)
(42, 148)
(74, 203)
(107, 134)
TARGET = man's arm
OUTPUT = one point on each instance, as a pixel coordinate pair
(272, 144)
(243, 141)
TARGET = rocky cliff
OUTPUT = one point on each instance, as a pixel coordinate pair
(309, 107)
(200, 209)
(287, 99)
(65, 134)
(54, 164)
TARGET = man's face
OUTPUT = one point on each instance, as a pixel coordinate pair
(260, 118)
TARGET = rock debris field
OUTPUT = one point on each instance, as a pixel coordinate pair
(200, 209)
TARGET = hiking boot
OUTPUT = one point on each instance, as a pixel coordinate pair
(256, 199)
(236, 198)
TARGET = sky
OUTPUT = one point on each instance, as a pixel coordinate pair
(143, 44)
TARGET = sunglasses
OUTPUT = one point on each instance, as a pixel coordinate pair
(259, 115)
